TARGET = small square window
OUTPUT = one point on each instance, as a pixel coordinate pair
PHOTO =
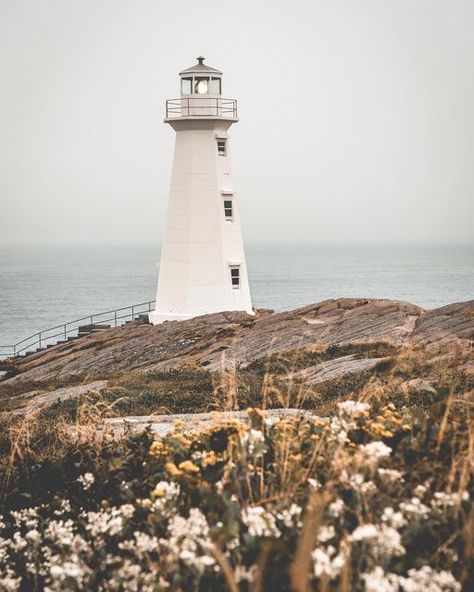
(222, 147)
(235, 276)
(228, 210)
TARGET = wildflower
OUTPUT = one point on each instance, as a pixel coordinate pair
(188, 467)
(382, 541)
(157, 448)
(172, 470)
(33, 536)
(253, 441)
(351, 408)
(379, 581)
(326, 533)
(86, 480)
(209, 458)
(442, 499)
(426, 578)
(336, 508)
(188, 539)
(290, 516)
(395, 519)
(414, 509)
(327, 562)
(314, 483)
(420, 490)
(375, 450)
(260, 523)
(390, 475)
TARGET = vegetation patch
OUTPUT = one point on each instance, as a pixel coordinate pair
(370, 498)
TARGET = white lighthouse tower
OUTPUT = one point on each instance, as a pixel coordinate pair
(202, 268)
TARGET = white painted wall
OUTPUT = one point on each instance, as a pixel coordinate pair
(199, 244)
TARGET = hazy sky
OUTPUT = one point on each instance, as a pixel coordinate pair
(357, 116)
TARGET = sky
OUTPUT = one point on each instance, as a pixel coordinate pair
(356, 117)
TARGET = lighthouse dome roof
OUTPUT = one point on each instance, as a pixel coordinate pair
(200, 67)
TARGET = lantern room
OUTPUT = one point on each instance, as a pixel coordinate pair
(201, 95)
(200, 80)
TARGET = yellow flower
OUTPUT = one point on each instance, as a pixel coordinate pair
(172, 470)
(158, 492)
(189, 467)
(157, 448)
(210, 458)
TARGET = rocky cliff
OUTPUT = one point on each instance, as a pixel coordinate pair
(347, 328)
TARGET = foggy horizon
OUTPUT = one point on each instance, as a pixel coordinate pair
(356, 121)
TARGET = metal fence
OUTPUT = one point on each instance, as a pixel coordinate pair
(71, 329)
(201, 107)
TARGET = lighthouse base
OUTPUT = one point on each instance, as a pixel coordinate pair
(156, 318)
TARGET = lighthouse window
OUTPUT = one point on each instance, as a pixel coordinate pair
(222, 147)
(201, 86)
(186, 86)
(235, 276)
(215, 87)
(228, 210)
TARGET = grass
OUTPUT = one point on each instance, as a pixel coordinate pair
(254, 508)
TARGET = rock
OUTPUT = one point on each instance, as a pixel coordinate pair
(35, 400)
(162, 424)
(235, 339)
(333, 369)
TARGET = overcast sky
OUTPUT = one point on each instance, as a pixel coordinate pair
(356, 116)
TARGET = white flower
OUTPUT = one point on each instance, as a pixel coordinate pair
(327, 562)
(395, 519)
(290, 516)
(350, 408)
(33, 536)
(420, 490)
(336, 508)
(253, 441)
(382, 541)
(189, 540)
(326, 533)
(86, 480)
(390, 475)
(8, 582)
(441, 499)
(260, 523)
(379, 581)
(414, 509)
(358, 483)
(314, 483)
(127, 510)
(375, 450)
(426, 578)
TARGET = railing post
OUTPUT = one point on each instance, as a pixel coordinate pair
(133, 313)
(115, 317)
(39, 338)
(14, 350)
(65, 331)
(92, 321)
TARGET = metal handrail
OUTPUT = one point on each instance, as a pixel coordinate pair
(44, 336)
(201, 107)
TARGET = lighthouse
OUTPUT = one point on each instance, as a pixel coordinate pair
(202, 266)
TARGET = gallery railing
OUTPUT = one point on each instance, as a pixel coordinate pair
(71, 329)
(201, 107)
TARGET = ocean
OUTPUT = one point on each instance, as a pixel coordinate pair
(45, 286)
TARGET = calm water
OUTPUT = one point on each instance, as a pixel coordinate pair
(41, 287)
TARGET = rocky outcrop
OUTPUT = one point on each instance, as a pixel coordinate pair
(235, 339)
(34, 400)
